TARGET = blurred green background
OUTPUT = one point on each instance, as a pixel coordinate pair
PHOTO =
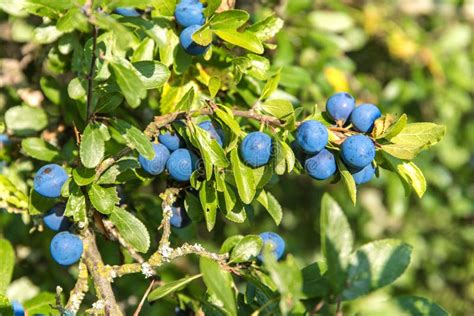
(414, 57)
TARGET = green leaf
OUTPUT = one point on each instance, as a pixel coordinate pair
(227, 117)
(41, 304)
(164, 7)
(5, 306)
(38, 204)
(230, 243)
(77, 89)
(135, 138)
(420, 306)
(131, 85)
(281, 109)
(7, 262)
(212, 6)
(244, 178)
(409, 173)
(109, 102)
(92, 146)
(219, 283)
(73, 19)
(214, 85)
(46, 34)
(288, 279)
(153, 74)
(25, 120)
(83, 176)
(375, 265)
(336, 241)
(267, 28)
(171, 287)
(393, 129)
(209, 203)
(193, 207)
(103, 199)
(414, 138)
(314, 283)
(348, 180)
(76, 203)
(271, 204)
(39, 149)
(271, 85)
(246, 248)
(203, 36)
(245, 39)
(132, 229)
(117, 172)
(186, 101)
(230, 19)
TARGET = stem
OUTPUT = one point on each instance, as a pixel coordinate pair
(100, 274)
(78, 292)
(139, 308)
(338, 307)
(90, 76)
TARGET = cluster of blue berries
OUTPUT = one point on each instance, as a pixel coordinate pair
(357, 150)
(189, 14)
(66, 248)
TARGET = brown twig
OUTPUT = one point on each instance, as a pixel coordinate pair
(100, 274)
(148, 290)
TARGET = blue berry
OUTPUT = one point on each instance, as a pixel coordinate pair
(312, 136)
(215, 133)
(4, 140)
(66, 248)
(364, 116)
(181, 164)
(321, 166)
(189, 13)
(127, 12)
(256, 149)
(55, 219)
(300, 155)
(18, 309)
(172, 141)
(49, 180)
(364, 175)
(273, 240)
(358, 151)
(156, 165)
(180, 218)
(189, 46)
(339, 107)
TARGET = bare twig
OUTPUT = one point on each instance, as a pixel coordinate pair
(100, 274)
(78, 292)
(139, 308)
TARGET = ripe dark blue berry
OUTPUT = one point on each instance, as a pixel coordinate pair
(357, 151)
(156, 165)
(321, 166)
(18, 309)
(180, 217)
(312, 136)
(49, 180)
(172, 141)
(256, 149)
(189, 46)
(66, 248)
(364, 175)
(55, 219)
(364, 116)
(181, 164)
(215, 133)
(339, 107)
(127, 12)
(273, 240)
(189, 12)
